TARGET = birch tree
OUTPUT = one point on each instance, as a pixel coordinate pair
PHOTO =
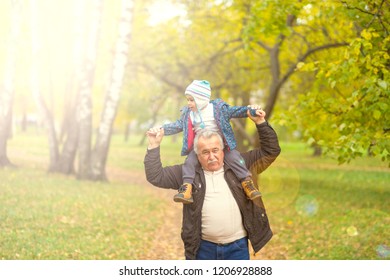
(8, 87)
(84, 112)
(101, 148)
(70, 127)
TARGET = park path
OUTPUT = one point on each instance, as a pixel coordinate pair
(169, 245)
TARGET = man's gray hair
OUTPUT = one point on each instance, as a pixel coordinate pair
(206, 134)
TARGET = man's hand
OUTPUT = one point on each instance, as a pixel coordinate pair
(155, 136)
(260, 114)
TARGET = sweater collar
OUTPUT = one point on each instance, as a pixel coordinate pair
(217, 172)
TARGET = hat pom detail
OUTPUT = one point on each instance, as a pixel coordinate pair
(199, 89)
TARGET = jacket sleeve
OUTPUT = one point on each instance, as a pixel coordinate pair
(173, 128)
(238, 111)
(169, 177)
(177, 126)
(260, 159)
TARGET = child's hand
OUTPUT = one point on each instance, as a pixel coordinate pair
(155, 131)
(260, 114)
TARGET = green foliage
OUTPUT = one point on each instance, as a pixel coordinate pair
(348, 110)
(268, 18)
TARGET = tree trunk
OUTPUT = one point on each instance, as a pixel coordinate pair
(35, 88)
(100, 151)
(5, 125)
(70, 125)
(275, 81)
(240, 132)
(127, 131)
(317, 150)
(7, 90)
(85, 105)
(6, 101)
(66, 160)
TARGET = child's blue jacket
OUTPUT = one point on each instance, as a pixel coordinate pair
(223, 112)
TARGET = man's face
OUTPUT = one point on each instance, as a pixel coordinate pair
(210, 153)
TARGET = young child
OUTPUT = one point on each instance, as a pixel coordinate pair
(201, 113)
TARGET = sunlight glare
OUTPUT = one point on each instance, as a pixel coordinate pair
(163, 10)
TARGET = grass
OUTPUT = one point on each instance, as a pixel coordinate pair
(321, 210)
(52, 216)
(45, 216)
(317, 209)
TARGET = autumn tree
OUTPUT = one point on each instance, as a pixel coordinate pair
(84, 107)
(248, 50)
(111, 103)
(205, 44)
(350, 99)
(69, 134)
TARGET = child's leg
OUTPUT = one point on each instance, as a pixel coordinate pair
(237, 163)
(234, 159)
(188, 170)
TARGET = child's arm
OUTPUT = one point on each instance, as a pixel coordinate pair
(230, 112)
(241, 111)
(173, 128)
(169, 129)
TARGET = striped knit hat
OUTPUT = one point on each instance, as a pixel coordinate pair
(200, 91)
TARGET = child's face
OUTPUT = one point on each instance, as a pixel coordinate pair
(191, 103)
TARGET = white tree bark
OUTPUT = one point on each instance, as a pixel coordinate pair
(85, 93)
(70, 123)
(100, 151)
(8, 88)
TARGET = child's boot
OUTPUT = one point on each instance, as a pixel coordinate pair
(185, 194)
(249, 189)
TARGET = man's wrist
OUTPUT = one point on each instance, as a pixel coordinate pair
(153, 146)
(260, 122)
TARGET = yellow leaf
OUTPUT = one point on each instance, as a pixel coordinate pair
(300, 65)
(366, 35)
(377, 114)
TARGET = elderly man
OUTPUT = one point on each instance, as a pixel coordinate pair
(218, 224)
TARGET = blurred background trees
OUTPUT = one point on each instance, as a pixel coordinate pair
(320, 69)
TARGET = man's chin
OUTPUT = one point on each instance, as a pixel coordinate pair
(213, 167)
